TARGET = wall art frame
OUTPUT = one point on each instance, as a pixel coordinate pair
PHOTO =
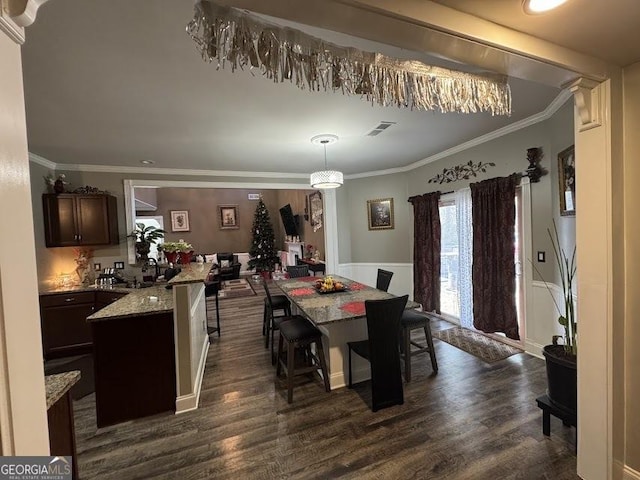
(180, 221)
(567, 181)
(228, 217)
(380, 214)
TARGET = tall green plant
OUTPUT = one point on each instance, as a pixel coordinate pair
(567, 268)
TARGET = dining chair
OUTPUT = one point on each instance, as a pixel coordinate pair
(381, 349)
(411, 320)
(271, 321)
(383, 280)
(297, 271)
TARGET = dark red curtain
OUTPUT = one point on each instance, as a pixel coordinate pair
(494, 271)
(426, 251)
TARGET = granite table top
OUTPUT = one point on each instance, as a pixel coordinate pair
(193, 273)
(58, 384)
(323, 309)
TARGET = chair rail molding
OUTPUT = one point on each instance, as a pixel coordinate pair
(15, 15)
(587, 101)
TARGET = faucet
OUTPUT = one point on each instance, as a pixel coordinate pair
(153, 262)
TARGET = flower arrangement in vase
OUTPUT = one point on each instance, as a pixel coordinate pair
(175, 250)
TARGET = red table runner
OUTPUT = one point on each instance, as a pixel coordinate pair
(301, 291)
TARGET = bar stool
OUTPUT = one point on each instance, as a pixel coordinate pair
(300, 333)
(270, 321)
(211, 289)
(411, 320)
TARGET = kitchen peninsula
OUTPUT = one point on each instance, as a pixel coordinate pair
(150, 348)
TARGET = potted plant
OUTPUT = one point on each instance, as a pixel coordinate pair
(561, 359)
(145, 236)
(185, 251)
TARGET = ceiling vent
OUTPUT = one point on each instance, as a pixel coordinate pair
(380, 128)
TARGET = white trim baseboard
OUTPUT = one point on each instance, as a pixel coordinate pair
(186, 403)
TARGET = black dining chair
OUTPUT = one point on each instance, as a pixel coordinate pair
(297, 271)
(381, 349)
(271, 321)
(383, 280)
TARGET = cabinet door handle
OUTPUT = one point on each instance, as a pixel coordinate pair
(69, 299)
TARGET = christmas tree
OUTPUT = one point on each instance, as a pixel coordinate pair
(263, 247)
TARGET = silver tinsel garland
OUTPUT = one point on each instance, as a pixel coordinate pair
(241, 40)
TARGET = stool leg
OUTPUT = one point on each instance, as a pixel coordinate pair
(269, 324)
(432, 352)
(407, 354)
(323, 365)
(218, 314)
(264, 320)
(350, 383)
(278, 361)
(291, 353)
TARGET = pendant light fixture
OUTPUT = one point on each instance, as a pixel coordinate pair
(326, 178)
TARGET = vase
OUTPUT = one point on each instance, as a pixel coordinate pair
(171, 257)
(185, 257)
(561, 377)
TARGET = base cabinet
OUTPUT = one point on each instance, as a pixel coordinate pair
(63, 316)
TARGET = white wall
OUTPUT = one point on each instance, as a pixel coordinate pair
(23, 421)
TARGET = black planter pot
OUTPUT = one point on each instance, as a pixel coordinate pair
(561, 377)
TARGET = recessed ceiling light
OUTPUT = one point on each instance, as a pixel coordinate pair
(147, 162)
(534, 7)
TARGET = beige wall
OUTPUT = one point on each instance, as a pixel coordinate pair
(632, 258)
(205, 233)
(376, 246)
(23, 421)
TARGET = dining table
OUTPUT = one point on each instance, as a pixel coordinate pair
(340, 316)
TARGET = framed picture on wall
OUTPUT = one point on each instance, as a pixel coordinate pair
(179, 221)
(380, 213)
(228, 217)
(315, 205)
(567, 181)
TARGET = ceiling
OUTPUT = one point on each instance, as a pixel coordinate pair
(117, 82)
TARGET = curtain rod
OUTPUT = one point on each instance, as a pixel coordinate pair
(534, 177)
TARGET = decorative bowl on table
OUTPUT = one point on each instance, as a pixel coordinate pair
(329, 285)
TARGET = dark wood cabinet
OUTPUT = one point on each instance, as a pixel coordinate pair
(65, 330)
(76, 219)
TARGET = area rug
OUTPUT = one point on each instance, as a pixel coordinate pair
(476, 344)
(236, 288)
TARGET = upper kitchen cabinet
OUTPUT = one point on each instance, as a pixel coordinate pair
(76, 219)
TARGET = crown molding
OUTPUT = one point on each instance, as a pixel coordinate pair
(174, 171)
(42, 161)
(547, 113)
(8, 25)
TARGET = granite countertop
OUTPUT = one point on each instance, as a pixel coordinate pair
(193, 273)
(59, 384)
(328, 308)
(138, 302)
(86, 288)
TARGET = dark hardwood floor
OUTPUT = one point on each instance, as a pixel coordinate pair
(470, 421)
